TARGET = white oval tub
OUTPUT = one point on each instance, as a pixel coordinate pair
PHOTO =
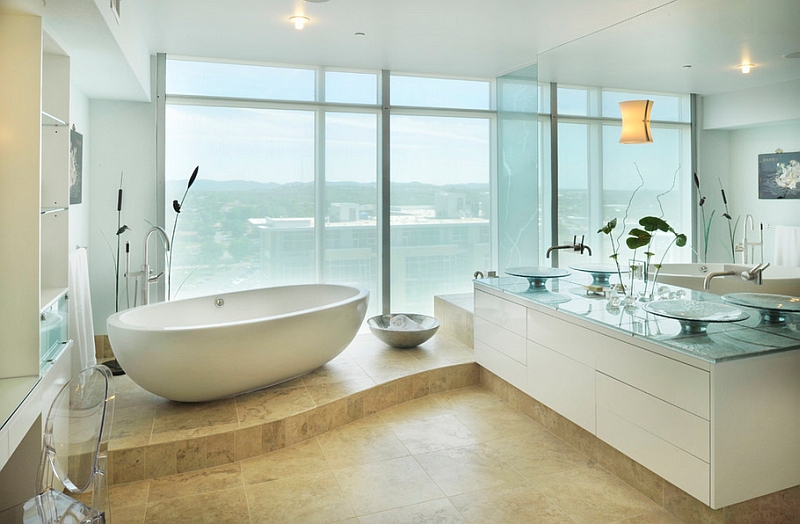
(780, 280)
(213, 347)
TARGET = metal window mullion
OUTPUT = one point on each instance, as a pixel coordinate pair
(430, 111)
(494, 212)
(384, 199)
(257, 103)
(554, 170)
(694, 112)
(319, 196)
(160, 189)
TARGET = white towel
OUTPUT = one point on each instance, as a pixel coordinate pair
(787, 246)
(403, 323)
(81, 327)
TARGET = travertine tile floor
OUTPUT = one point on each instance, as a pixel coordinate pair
(459, 456)
(141, 418)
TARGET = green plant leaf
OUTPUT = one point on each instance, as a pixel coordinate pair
(637, 238)
(654, 224)
(680, 241)
(609, 227)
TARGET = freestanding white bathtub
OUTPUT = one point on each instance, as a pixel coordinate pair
(213, 347)
(780, 280)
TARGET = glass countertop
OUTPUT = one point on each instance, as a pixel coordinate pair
(575, 296)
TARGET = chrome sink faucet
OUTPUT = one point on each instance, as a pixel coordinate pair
(754, 274)
(575, 246)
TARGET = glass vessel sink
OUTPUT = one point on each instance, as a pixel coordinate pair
(694, 315)
(600, 272)
(537, 276)
(773, 308)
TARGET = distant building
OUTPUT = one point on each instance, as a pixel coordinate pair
(343, 212)
(430, 254)
(450, 205)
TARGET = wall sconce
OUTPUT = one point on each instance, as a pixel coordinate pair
(299, 21)
(636, 122)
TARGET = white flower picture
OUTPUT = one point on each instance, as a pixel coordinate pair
(779, 175)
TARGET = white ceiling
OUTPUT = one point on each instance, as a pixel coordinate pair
(636, 44)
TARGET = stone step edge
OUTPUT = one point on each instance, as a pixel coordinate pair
(164, 459)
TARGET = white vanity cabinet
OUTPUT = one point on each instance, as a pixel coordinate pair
(724, 430)
(500, 343)
(561, 368)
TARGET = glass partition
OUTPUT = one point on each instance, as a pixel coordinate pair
(519, 218)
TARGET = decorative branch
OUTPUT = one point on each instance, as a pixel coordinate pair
(177, 206)
(120, 230)
(731, 228)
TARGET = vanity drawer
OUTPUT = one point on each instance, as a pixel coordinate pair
(666, 421)
(674, 382)
(562, 384)
(562, 337)
(501, 365)
(509, 343)
(507, 315)
(682, 469)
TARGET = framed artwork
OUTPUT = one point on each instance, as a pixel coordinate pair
(779, 175)
(75, 167)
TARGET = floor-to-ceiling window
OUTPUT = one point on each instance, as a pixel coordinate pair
(441, 135)
(600, 179)
(295, 186)
(290, 170)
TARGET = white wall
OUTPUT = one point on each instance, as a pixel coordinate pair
(123, 141)
(773, 104)
(746, 145)
(730, 152)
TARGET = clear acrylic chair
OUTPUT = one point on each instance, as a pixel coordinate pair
(75, 452)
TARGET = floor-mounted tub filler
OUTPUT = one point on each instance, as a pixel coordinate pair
(213, 347)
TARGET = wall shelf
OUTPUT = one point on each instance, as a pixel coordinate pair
(48, 296)
(50, 120)
(48, 210)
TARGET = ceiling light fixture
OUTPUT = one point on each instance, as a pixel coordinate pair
(636, 122)
(790, 56)
(299, 21)
(745, 68)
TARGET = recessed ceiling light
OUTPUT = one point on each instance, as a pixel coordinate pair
(796, 54)
(359, 33)
(316, 1)
(299, 21)
(745, 67)
(687, 66)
